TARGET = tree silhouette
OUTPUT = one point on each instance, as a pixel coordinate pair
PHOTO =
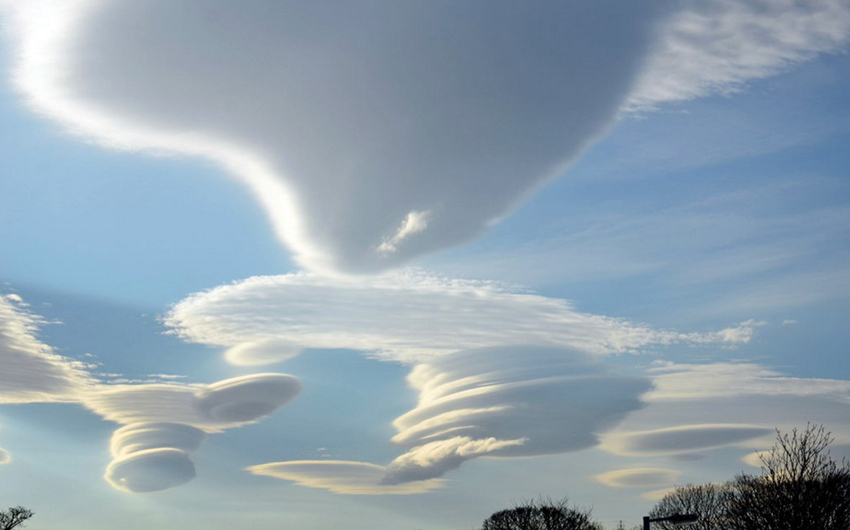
(709, 501)
(541, 515)
(14, 517)
(801, 486)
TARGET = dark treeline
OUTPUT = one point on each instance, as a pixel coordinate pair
(801, 487)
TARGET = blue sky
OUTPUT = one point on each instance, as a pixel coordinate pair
(401, 265)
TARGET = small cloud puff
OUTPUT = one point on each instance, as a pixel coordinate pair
(406, 316)
(638, 477)
(346, 478)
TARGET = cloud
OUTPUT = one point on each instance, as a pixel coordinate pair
(406, 316)
(507, 401)
(5, 457)
(138, 437)
(164, 423)
(343, 477)
(354, 117)
(638, 477)
(434, 459)
(717, 46)
(152, 456)
(701, 407)
(684, 439)
(676, 382)
(150, 470)
(222, 405)
(30, 371)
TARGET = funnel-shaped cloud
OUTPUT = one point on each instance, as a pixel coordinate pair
(404, 316)
(374, 132)
(370, 132)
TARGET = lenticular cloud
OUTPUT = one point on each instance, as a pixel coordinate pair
(374, 132)
(371, 132)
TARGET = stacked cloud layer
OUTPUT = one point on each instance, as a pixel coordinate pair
(163, 423)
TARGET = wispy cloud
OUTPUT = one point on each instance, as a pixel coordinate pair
(30, 371)
(717, 46)
(407, 317)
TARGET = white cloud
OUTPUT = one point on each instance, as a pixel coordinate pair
(638, 477)
(717, 46)
(164, 423)
(5, 457)
(212, 408)
(404, 316)
(30, 371)
(347, 478)
(152, 456)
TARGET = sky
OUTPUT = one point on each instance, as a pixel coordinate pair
(386, 264)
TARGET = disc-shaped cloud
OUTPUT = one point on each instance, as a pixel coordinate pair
(349, 478)
(246, 398)
(139, 437)
(505, 401)
(684, 439)
(638, 477)
(405, 316)
(214, 407)
(150, 470)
